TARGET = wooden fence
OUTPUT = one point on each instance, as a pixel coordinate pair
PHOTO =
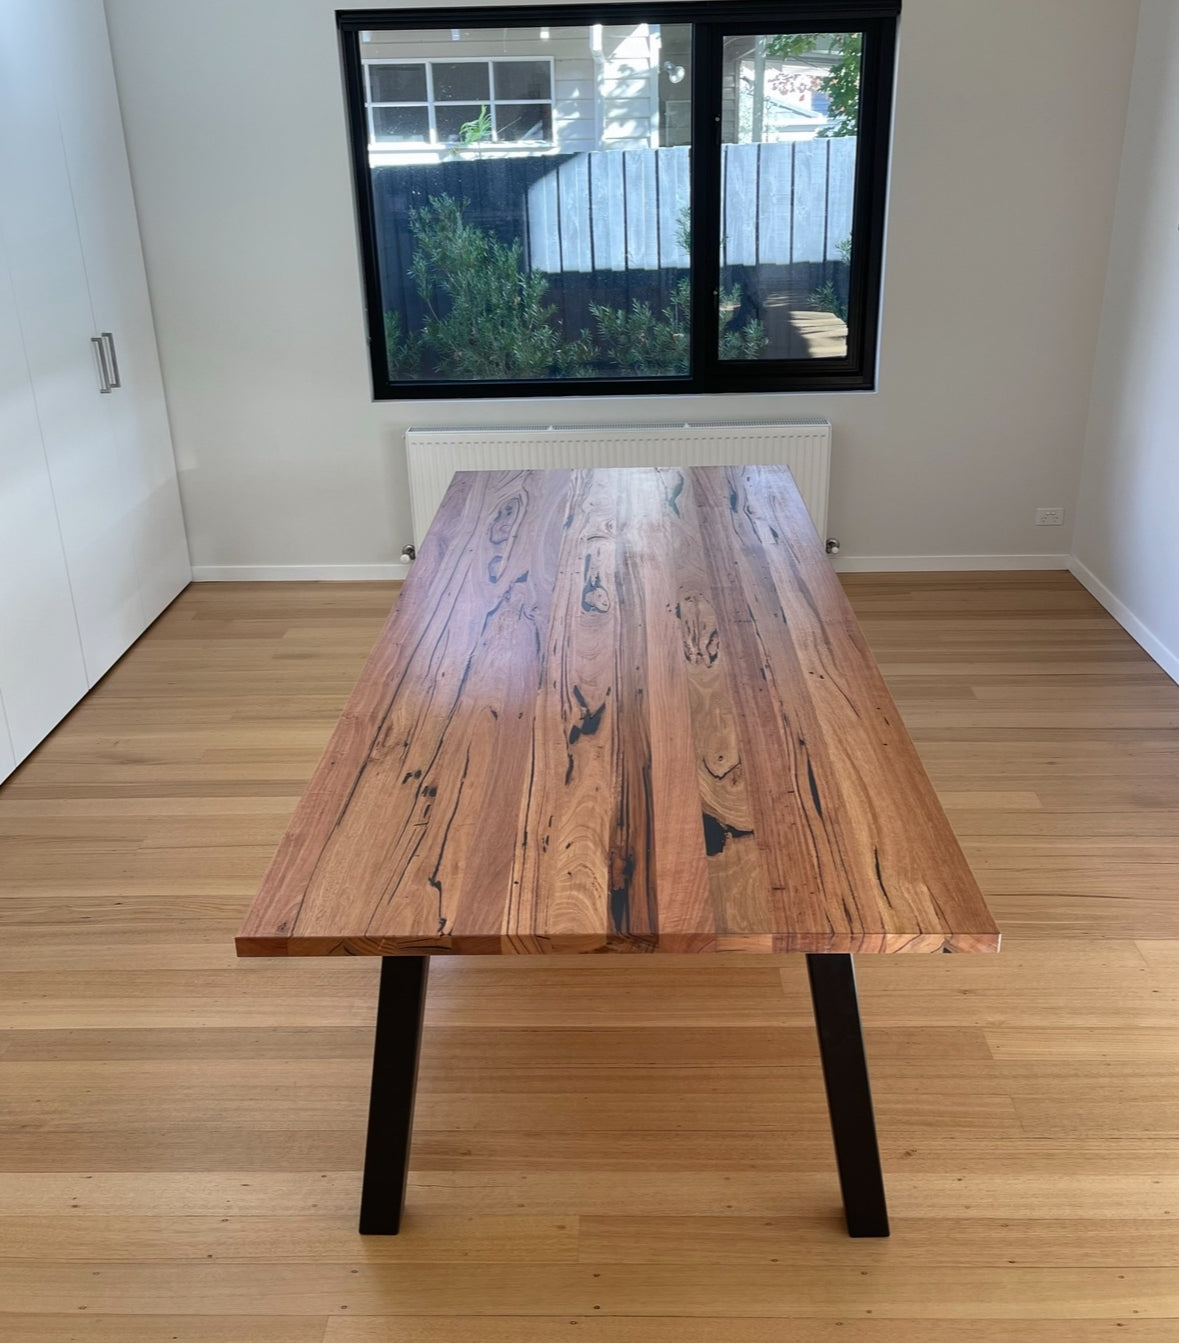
(606, 227)
(628, 210)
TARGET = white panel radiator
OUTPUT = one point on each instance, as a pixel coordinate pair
(436, 454)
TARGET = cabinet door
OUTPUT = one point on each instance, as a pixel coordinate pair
(41, 671)
(7, 756)
(89, 468)
(92, 132)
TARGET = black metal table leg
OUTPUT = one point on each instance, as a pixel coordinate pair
(390, 1110)
(849, 1095)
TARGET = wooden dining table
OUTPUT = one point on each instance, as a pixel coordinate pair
(624, 710)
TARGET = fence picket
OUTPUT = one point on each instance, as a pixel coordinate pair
(607, 214)
(841, 195)
(739, 227)
(574, 220)
(809, 200)
(674, 167)
(776, 202)
(641, 223)
(544, 225)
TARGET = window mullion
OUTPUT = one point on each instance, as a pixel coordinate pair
(705, 230)
(430, 102)
(493, 101)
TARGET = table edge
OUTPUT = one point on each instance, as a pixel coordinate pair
(984, 942)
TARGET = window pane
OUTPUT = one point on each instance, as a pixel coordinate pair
(523, 121)
(397, 83)
(789, 122)
(675, 85)
(522, 79)
(403, 124)
(461, 82)
(459, 124)
(502, 260)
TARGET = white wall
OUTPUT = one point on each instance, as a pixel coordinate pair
(1127, 538)
(1009, 123)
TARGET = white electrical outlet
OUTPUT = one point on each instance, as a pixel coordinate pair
(1049, 517)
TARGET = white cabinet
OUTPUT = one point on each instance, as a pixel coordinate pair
(100, 180)
(41, 670)
(91, 536)
(88, 467)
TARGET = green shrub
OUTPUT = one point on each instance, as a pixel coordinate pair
(477, 131)
(487, 317)
(827, 299)
(404, 352)
(638, 343)
(745, 342)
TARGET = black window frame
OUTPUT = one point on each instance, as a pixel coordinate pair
(711, 21)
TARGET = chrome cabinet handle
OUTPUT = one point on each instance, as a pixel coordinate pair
(109, 341)
(104, 372)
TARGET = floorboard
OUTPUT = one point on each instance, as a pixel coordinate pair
(605, 1152)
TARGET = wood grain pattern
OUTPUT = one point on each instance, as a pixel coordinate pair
(620, 710)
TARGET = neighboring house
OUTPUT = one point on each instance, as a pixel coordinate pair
(434, 94)
(519, 91)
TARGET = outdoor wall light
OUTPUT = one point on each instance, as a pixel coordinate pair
(675, 73)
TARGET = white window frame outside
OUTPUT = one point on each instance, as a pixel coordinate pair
(431, 104)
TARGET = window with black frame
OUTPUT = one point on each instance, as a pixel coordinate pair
(621, 198)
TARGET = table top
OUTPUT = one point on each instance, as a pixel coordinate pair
(619, 710)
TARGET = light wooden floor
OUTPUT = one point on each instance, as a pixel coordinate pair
(629, 1150)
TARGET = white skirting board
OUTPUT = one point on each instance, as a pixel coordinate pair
(904, 564)
(1164, 656)
(363, 573)
(434, 455)
(298, 573)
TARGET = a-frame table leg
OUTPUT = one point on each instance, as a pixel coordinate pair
(400, 1009)
(849, 1095)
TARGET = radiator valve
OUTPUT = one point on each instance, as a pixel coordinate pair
(408, 554)
(832, 545)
